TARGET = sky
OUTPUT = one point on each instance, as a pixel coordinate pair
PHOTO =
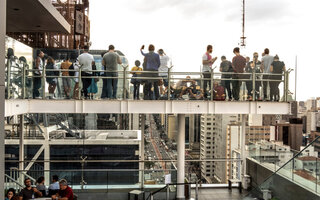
(184, 28)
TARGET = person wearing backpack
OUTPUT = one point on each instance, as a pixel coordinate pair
(51, 70)
(66, 80)
(277, 68)
(152, 63)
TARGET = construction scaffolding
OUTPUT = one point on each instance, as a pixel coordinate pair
(76, 13)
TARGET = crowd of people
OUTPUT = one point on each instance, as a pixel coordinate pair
(57, 190)
(153, 75)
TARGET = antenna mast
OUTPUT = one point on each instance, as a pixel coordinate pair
(243, 38)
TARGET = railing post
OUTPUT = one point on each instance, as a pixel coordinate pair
(285, 90)
(124, 82)
(169, 83)
(211, 85)
(254, 84)
(197, 190)
(23, 81)
(43, 82)
(9, 78)
(168, 192)
(80, 84)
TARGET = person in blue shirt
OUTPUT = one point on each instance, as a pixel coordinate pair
(152, 63)
(54, 186)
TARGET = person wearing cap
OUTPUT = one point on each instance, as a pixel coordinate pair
(65, 192)
(226, 68)
(276, 68)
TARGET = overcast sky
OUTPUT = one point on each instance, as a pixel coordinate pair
(183, 28)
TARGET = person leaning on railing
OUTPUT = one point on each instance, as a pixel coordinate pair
(265, 67)
(277, 68)
(163, 70)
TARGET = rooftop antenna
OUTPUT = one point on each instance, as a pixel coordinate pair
(243, 38)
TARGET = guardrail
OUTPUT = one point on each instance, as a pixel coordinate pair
(20, 83)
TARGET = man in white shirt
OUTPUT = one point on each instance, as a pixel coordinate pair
(86, 61)
(207, 62)
(163, 69)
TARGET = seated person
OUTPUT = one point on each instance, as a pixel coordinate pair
(218, 92)
(184, 86)
(65, 192)
(54, 186)
(29, 192)
(196, 93)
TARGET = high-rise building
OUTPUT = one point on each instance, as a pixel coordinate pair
(290, 134)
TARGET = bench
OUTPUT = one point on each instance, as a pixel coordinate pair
(230, 181)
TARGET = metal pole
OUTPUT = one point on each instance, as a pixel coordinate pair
(211, 85)
(9, 77)
(24, 81)
(197, 190)
(21, 149)
(80, 84)
(43, 82)
(168, 192)
(3, 16)
(254, 84)
(181, 156)
(243, 144)
(296, 79)
(169, 82)
(124, 82)
(143, 117)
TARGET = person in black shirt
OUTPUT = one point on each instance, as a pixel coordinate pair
(29, 192)
(277, 68)
(226, 66)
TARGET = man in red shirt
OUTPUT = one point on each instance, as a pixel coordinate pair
(65, 192)
(238, 65)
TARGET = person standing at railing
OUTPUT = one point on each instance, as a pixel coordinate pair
(86, 61)
(110, 61)
(134, 81)
(225, 68)
(29, 192)
(51, 70)
(38, 69)
(152, 64)
(238, 65)
(66, 81)
(76, 79)
(277, 68)
(254, 65)
(93, 88)
(265, 66)
(207, 62)
(163, 70)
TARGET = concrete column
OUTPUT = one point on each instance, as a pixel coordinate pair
(181, 156)
(21, 147)
(3, 21)
(243, 144)
(141, 164)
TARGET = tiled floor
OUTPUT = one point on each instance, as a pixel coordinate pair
(219, 193)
